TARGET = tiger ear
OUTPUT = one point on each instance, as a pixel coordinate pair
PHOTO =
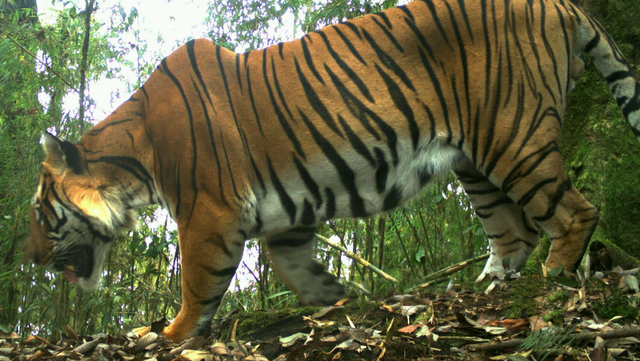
(61, 155)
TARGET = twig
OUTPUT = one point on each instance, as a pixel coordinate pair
(629, 331)
(41, 62)
(89, 9)
(447, 271)
(356, 258)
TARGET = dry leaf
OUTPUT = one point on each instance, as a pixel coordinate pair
(410, 328)
(145, 341)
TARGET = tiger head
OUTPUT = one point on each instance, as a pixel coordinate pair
(74, 215)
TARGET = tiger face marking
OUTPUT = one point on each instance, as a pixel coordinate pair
(71, 223)
(349, 121)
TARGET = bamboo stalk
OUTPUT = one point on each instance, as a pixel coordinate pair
(356, 258)
(447, 271)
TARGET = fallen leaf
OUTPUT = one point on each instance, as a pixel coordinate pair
(292, 339)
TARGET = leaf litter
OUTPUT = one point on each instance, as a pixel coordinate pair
(526, 318)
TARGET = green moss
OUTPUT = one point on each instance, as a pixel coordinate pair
(615, 306)
(555, 316)
(522, 294)
(559, 296)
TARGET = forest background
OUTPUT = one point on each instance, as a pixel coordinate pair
(48, 76)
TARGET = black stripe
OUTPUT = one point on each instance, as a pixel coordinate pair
(238, 77)
(388, 61)
(401, 103)
(315, 101)
(353, 28)
(407, 12)
(557, 196)
(253, 103)
(356, 142)
(185, 99)
(225, 272)
(384, 18)
(361, 112)
(331, 203)
(308, 215)
(421, 38)
(618, 75)
(592, 43)
(309, 59)
(281, 118)
(196, 70)
(433, 78)
(465, 74)
(96, 131)
(517, 172)
(494, 204)
(345, 67)
(345, 173)
(528, 196)
(436, 19)
(311, 185)
(223, 74)
(389, 35)
(134, 167)
(632, 106)
(382, 170)
(276, 84)
(349, 45)
(393, 198)
(231, 177)
(465, 16)
(285, 199)
(213, 146)
(218, 241)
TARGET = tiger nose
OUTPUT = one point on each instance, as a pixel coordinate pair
(31, 252)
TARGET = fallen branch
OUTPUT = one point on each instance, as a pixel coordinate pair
(356, 258)
(437, 277)
(629, 331)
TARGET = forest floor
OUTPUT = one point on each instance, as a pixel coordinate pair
(528, 318)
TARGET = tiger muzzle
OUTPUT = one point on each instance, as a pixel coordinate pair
(76, 263)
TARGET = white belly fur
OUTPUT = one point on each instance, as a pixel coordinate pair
(437, 158)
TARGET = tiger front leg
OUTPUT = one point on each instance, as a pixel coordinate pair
(292, 256)
(207, 265)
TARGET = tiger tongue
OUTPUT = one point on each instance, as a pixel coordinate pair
(71, 275)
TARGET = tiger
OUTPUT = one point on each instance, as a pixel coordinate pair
(351, 120)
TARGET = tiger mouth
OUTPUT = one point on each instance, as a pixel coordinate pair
(70, 273)
(76, 263)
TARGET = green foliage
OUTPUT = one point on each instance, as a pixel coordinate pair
(542, 342)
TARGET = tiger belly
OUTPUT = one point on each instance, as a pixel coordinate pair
(358, 190)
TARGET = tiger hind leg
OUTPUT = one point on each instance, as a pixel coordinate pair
(291, 253)
(511, 233)
(538, 183)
